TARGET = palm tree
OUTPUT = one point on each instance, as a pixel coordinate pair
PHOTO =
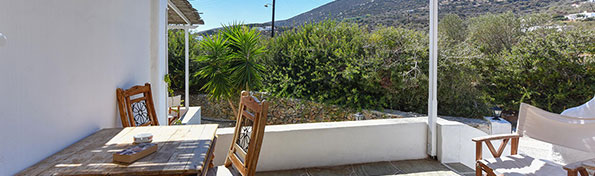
(231, 66)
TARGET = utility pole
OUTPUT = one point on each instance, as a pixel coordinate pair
(273, 20)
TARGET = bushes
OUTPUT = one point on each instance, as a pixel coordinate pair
(344, 64)
(176, 61)
(549, 69)
(401, 67)
(492, 33)
(323, 62)
(348, 65)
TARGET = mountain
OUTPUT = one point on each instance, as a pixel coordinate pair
(414, 13)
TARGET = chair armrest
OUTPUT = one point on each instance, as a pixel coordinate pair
(576, 168)
(496, 153)
(573, 166)
(495, 137)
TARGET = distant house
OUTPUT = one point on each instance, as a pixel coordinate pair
(580, 16)
(266, 28)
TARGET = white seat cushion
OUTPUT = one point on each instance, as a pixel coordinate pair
(523, 165)
(222, 171)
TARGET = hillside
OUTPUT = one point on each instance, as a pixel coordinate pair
(414, 13)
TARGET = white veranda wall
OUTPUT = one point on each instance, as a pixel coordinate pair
(61, 65)
(334, 143)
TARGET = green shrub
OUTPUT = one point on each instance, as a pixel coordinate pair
(401, 67)
(549, 69)
(324, 62)
(492, 33)
(176, 61)
(504, 60)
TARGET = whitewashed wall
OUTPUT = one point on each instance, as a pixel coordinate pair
(455, 145)
(335, 143)
(61, 65)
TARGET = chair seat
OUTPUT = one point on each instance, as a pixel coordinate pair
(222, 171)
(523, 165)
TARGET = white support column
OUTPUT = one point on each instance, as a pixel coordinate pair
(187, 71)
(158, 58)
(433, 84)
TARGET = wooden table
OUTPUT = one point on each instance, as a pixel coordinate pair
(183, 150)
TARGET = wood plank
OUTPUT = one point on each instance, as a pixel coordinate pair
(200, 153)
(179, 158)
(99, 159)
(514, 146)
(495, 137)
(239, 150)
(92, 155)
(250, 103)
(71, 157)
(248, 115)
(138, 89)
(150, 163)
(138, 99)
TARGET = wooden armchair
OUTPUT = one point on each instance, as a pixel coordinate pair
(246, 142)
(136, 106)
(174, 114)
(535, 123)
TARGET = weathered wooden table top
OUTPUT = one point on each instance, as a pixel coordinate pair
(182, 150)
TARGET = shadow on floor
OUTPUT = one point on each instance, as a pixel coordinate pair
(423, 167)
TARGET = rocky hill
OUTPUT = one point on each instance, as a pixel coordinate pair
(414, 13)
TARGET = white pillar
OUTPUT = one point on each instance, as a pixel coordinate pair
(158, 58)
(432, 91)
(187, 68)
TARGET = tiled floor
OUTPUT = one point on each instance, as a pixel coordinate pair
(424, 167)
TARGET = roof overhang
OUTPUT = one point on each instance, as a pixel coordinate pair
(181, 12)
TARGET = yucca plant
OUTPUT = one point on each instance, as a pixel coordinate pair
(230, 62)
(246, 49)
(215, 70)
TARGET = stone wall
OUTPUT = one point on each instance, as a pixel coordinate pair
(290, 111)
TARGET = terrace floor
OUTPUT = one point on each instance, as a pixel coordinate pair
(423, 167)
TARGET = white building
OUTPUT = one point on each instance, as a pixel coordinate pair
(61, 62)
(580, 16)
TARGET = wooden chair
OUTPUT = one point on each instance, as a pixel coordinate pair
(174, 114)
(136, 106)
(537, 124)
(247, 139)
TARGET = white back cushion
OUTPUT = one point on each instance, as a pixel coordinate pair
(586, 110)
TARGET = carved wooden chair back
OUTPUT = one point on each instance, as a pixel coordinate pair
(136, 106)
(249, 132)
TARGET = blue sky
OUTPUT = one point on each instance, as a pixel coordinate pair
(217, 12)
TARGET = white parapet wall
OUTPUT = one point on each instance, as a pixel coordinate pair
(335, 143)
(454, 143)
(192, 116)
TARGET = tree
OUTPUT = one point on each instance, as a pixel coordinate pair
(176, 60)
(230, 62)
(453, 28)
(493, 33)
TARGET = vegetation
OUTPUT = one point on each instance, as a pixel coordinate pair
(176, 61)
(413, 14)
(484, 61)
(229, 62)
